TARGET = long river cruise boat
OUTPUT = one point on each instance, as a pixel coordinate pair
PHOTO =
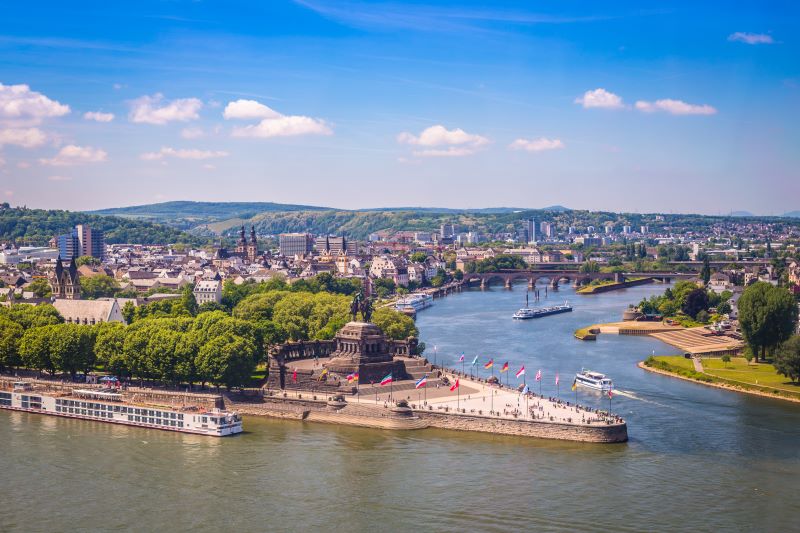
(108, 406)
(526, 313)
(414, 302)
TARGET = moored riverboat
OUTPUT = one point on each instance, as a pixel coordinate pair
(108, 406)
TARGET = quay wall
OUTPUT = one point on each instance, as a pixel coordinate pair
(599, 432)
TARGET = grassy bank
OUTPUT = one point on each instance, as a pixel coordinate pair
(586, 334)
(738, 374)
(609, 285)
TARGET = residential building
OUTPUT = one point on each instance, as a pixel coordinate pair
(208, 290)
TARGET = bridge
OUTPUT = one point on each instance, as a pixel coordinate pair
(556, 276)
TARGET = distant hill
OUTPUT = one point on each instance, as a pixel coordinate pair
(557, 209)
(38, 226)
(792, 214)
(202, 211)
(741, 214)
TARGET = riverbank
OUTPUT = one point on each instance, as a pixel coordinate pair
(668, 366)
(613, 285)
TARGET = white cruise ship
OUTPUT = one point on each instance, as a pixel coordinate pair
(593, 380)
(414, 302)
(108, 406)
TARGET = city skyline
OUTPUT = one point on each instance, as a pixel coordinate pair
(377, 105)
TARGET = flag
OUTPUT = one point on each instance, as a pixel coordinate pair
(575, 384)
(461, 359)
(489, 364)
(324, 373)
(294, 375)
(422, 382)
(355, 376)
(539, 375)
(525, 390)
(505, 367)
(556, 378)
(610, 393)
(521, 371)
(475, 361)
(454, 386)
(386, 380)
(351, 378)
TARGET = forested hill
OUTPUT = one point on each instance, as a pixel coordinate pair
(37, 226)
(201, 211)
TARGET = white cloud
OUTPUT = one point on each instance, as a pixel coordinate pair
(155, 110)
(751, 38)
(98, 116)
(59, 178)
(248, 109)
(23, 164)
(675, 107)
(21, 107)
(182, 154)
(118, 86)
(541, 144)
(441, 142)
(192, 133)
(272, 124)
(600, 98)
(23, 137)
(76, 155)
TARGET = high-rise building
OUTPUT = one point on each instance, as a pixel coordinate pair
(82, 240)
(447, 230)
(626, 229)
(530, 225)
(333, 245)
(292, 244)
(547, 229)
(644, 230)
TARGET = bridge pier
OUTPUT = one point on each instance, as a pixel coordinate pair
(531, 283)
(554, 285)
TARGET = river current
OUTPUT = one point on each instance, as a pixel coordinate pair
(698, 459)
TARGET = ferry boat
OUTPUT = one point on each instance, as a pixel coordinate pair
(108, 406)
(593, 380)
(537, 312)
(414, 302)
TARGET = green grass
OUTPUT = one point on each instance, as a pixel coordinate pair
(585, 334)
(760, 377)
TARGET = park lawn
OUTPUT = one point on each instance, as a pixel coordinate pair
(760, 377)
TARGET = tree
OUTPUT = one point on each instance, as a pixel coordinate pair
(418, 257)
(40, 287)
(99, 286)
(34, 349)
(724, 308)
(188, 300)
(705, 272)
(767, 315)
(696, 301)
(394, 324)
(10, 335)
(787, 358)
(71, 348)
(228, 360)
(87, 260)
(589, 266)
(109, 348)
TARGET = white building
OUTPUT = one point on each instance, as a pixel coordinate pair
(89, 311)
(208, 290)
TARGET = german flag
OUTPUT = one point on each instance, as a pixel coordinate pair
(574, 384)
(489, 365)
(505, 367)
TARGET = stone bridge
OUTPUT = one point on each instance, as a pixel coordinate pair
(555, 276)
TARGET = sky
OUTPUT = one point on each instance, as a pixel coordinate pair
(622, 106)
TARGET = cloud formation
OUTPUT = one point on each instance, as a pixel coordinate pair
(600, 98)
(59, 178)
(98, 116)
(71, 155)
(155, 110)
(192, 133)
(751, 38)
(438, 141)
(182, 153)
(21, 106)
(675, 107)
(272, 123)
(22, 137)
(541, 144)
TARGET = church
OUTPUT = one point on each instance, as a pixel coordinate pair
(247, 250)
(64, 281)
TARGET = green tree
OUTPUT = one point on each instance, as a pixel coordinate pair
(394, 324)
(787, 358)
(188, 300)
(767, 315)
(696, 301)
(34, 349)
(418, 257)
(71, 348)
(705, 272)
(109, 348)
(87, 260)
(40, 287)
(98, 286)
(228, 360)
(10, 336)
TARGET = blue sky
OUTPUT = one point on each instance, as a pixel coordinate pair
(636, 106)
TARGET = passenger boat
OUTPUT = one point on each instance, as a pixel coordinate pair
(593, 380)
(414, 302)
(108, 406)
(537, 312)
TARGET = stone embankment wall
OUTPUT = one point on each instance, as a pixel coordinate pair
(599, 432)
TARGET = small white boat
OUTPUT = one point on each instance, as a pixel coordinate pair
(593, 380)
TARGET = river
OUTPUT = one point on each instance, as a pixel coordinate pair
(698, 459)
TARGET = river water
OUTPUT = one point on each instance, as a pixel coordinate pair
(698, 459)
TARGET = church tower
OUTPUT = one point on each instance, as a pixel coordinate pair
(252, 248)
(241, 246)
(64, 282)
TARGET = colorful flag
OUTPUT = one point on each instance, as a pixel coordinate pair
(539, 375)
(386, 380)
(489, 364)
(521, 371)
(422, 382)
(575, 384)
(355, 376)
(505, 367)
(461, 359)
(454, 386)
(525, 390)
(610, 393)
(324, 373)
(556, 378)
(475, 361)
(294, 375)
(350, 378)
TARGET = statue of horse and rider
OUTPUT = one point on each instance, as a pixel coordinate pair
(361, 304)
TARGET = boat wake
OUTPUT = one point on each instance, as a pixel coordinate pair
(633, 396)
